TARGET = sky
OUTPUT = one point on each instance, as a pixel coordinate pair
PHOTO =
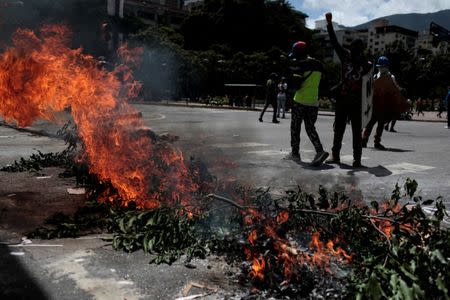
(355, 12)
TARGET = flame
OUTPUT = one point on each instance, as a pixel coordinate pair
(40, 75)
(252, 237)
(386, 226)
(287, 254)
(257, 272)
(283, 217)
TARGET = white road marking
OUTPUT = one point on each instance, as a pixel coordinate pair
(17, 253)
(349, 158)
(240, 145)
(404, 167)
(160, 117)
(36, 245)
(268, 152)
(275, 152)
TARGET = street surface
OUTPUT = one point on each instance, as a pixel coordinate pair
(419, 150)
(235, 146)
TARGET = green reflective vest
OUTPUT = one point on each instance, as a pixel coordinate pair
(308, 94)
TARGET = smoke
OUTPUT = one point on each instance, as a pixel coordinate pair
(160, 74)
(83, 17)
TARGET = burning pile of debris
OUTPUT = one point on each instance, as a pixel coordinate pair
(150, 198)
(40, 76)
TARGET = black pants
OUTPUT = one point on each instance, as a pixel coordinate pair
(309, 115)
(348, 109)
(378, 131)
(274, 104)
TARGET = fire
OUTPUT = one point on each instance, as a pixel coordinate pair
(287, 254)
(385, 225)
(323, 252)
(40, 75)
(257, 272)
(252, 237)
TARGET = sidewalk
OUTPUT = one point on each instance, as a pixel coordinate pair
(429, 116)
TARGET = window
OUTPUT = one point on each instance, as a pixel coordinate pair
(377, 43)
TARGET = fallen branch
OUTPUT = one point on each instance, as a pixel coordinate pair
(330, 214)
(310, 211)
(229, 201)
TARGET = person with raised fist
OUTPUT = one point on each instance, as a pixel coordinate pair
(349, 98)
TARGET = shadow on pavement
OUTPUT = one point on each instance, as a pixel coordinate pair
(15, 282)
(308, 166)
(398, 150)
(391, 150)
(378, 171)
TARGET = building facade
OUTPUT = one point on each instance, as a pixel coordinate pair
(166, 12)
(381, 34)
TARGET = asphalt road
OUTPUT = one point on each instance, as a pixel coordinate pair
(235, 146)
(419, 150)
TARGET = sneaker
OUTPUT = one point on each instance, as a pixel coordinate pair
(334, 160)
(275, 121)
(357, 164)
(364, 143)
(393, 130)
(386, 127)
(319, 158)
(260, 119)
(379, 146)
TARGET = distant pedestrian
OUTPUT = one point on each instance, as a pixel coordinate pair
(281, 97)
(420, 104)
(271, 97)
(305, 78)
(349, 101)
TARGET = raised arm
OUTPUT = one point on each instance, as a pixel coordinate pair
(341, 52)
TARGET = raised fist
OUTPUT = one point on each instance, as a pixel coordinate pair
(329, 17)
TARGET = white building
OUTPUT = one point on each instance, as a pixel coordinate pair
(382, 34)
(191, 5)
(167, 12)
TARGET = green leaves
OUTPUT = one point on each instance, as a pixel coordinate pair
(418, 261)
(167, 232)
(38, 161)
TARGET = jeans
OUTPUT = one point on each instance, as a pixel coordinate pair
(308, 114)
(281, 105)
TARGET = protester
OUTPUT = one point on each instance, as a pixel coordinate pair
(348, 102)
(388, 103)
(305, 78)
(281, 97)
(271, 97)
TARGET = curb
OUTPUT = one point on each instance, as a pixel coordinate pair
(321, 113)
(30, 130)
